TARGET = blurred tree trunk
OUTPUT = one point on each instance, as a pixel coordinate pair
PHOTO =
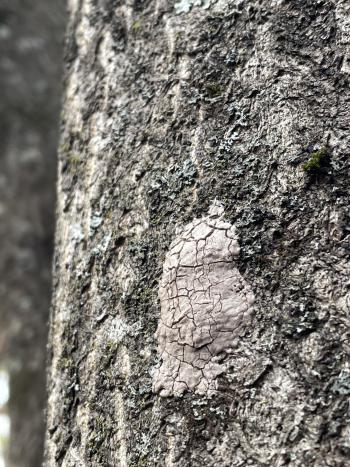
(31, 36)
(167, 109)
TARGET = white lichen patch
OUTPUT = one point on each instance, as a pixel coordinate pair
(184, 6)
(205, 303)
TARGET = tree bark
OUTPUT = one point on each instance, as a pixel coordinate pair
(223, 115)
(31, 36)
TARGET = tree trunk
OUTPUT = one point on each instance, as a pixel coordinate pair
(201, 302)
(31, 34)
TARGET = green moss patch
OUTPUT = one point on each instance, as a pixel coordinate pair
(317, 160)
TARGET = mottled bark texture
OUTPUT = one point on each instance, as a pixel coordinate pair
(167, 109)
(31, 35)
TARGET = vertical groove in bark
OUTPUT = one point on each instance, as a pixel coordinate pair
(165, 113)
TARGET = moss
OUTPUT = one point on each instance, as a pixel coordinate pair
(66, 362)
(214, 89)
(63, 148)
(111, 348)
(142, 462)
(73, 159)
(99, 440)
(317, 160)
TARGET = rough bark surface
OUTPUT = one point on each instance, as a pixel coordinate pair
(169, 107)
(31, 35)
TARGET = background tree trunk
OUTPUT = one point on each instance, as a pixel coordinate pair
(167, 109)
(31, 34)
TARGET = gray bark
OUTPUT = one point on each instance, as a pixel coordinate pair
(31, 36)
(171, 109)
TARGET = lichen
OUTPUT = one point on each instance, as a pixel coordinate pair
(205, 302)
(184, 6)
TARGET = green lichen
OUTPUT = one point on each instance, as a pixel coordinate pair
(317, 160)
(136, 25)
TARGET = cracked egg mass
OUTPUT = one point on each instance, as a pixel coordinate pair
(205, 302)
